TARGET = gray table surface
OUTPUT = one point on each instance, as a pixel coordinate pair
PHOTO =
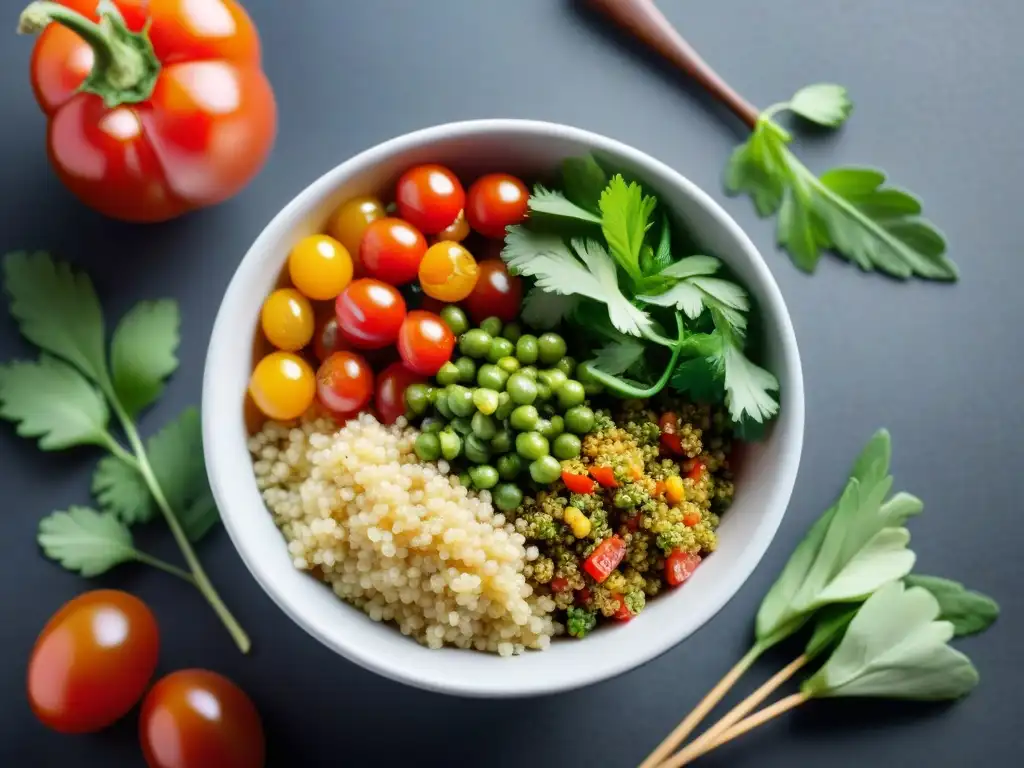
(938, 91)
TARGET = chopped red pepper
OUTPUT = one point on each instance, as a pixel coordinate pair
(696, 470)
(605, 558)
(622, 613)
(583, 596)
(691, 519)
(679, 566)
(559, 584)
(578, 483)
(633, 523)
(605, 476)
(670, 441)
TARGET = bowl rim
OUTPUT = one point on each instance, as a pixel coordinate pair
(216, 446)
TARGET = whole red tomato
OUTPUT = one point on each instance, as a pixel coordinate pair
(369, 313)
(496, 293)
(389, 394)
(425, 343)
(193, 718)
(92, 661)
(149, 123)
(344, 382)
(496, 201)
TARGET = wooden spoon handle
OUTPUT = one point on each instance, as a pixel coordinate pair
(646, 22)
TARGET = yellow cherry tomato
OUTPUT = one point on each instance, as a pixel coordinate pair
(457, 231)
(448, 272)
(351, 219)
(320, 267)
(282, 386)
(287, 319)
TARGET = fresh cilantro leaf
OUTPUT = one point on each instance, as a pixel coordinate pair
(120, 489)
(755, 170)
(86, 541)
(546, 310)
(796, 230)
(619, 356)
(823, 103)
(199, 517)
(557, 270)
(701, 378)
(748, 387)
(50, 400)
(683, 295)
(696, 292)
(969, 612)
(57, 310)
(584, 181)
(661, 259)
(625, 213)
(142, 353)
(692, 266)
(554, 203)
(176, 454)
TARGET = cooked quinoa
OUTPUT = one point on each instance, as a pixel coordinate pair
(399, 538)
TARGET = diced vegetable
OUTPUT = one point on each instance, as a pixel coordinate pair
(679, 566)
(578, 483)
(605, 476)
(605, 558)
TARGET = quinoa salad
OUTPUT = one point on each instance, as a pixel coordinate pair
(456, 449)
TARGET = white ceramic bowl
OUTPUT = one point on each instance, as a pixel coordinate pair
(528, 149)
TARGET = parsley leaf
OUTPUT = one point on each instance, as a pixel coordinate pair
(625, 213)
(86, 541)
(50, 400)
(57, 310)
(584, 181)
(142, 353)
(747, 386)
(661, 259)
(176, 454)
(199, 516)
(121, 490)
(546, 310)
(754, 170)
(554, 203)
(701, 378)
(822, 103)
(619, 356)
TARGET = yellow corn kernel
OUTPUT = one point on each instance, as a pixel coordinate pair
(577, 521)
(674, 489)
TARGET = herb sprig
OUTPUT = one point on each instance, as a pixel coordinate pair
(66, 398)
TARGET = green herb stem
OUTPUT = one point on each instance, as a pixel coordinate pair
(625, 389)
(117, 450)
(166, 567)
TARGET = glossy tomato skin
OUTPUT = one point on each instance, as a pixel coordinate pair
(369, 313)
(496, 201)
(496, 293)
(389, 394)
(194, 718)
(344, 382)
(391, 250)
(327, 339)
(92, 661)
(156, 159)
(429, 197)
(425, 343)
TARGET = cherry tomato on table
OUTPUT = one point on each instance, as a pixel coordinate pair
(282, 386)
(496, 201)
(370, 313)
(194, 718)
(425, 342)
(92, 661)
(390, 389)
(152, 146)
(430, 197)
(496, 293)
(320, 267)
(391, 250)
(348, 223)
(448, 272)
(344, 382)
(287, 319)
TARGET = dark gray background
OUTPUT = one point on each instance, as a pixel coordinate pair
(937, 86)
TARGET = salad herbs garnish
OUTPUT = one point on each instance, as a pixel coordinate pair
(66, 398)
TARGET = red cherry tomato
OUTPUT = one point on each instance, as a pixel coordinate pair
(429, 197)
(92, 661)
(193, 718)
(390, 391)
(425, 342)
(369, 313)
(326, 339)
(391, 250)
(344, 382)
(496, 201)
(679, 566)
(496, 293)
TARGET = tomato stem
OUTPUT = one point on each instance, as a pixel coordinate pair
(125, 66)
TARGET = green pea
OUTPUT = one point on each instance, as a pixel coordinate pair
(543, 391)
(484, 426)
(566, 446)
(467, 370)
(571, 394)
(522, 389)
(455, 319)
(506, 496)
(499, 348)
(526, 349)
(509, 466)
(448, 374)
(508, 364)
(503, 441)
(441, 404)
(475, 343)
(460, 400)
(531, 445)
(485, 400)
(427, 446)
(477, 450)
(417, 398)
(579, 419)
(462, 425)
(551, 427)
(465, 480)
(550, 348)
(545, 470)
(451, 444)
(553, 377)
(524, 418)
(431, 424)
(484, 476)
(505, 406)
(585, 376)
(566, 365)
(512, 332)
(491, 377)
(529, 370)
(492, 325)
